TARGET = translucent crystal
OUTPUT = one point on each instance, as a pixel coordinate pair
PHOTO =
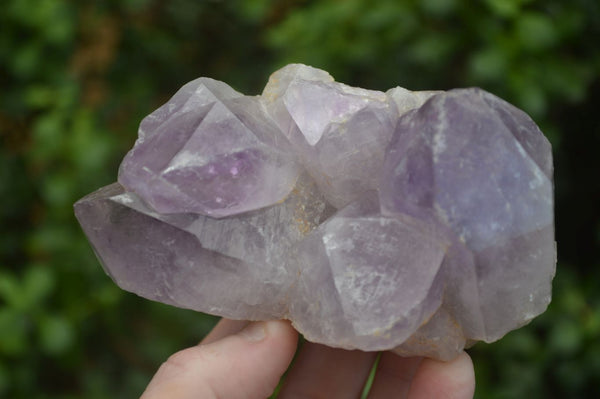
(479, 167)
(340, 132)
(229, 266)
(209, 150)
(418, 222)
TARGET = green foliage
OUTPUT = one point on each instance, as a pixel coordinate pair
(528, 52)
(555, 356)
(76, 78)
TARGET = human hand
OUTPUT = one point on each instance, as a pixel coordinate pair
(238, 359)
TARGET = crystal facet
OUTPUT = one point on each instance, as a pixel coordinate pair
(223, 142)
(418, 222)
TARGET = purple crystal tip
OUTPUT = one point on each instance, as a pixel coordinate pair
(418, 222)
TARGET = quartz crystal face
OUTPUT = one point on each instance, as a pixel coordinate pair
(211, 151)
(465, 160)
(339, 132)
(418, 222)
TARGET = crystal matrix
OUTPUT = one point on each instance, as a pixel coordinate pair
(416, 222)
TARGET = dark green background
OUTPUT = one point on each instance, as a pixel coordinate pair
(76, 77)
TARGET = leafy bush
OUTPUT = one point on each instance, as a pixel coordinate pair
(76, 78)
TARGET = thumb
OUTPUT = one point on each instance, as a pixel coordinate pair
(246, 365)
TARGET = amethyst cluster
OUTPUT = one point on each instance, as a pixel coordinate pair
(418, 222)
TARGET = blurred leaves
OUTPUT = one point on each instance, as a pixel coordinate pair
(552, 357)
(77, 77)
(507, 47)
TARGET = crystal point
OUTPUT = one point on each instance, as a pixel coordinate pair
(418, 222)
(212, 157)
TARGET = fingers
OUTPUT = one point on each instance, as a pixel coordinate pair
(247, 364)
(447, 380)
(418, 378)
(224, 328)
(323, 372)
(394, 376)
(239, 359)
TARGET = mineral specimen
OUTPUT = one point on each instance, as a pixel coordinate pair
(418, 222)
(218, 139)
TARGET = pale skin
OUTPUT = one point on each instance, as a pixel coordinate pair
(242, 360)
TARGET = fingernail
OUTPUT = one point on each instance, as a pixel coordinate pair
(254, 331)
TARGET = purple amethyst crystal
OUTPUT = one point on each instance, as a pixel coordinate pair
(211, 151)
(339, 132)
(417, 222)
(480, 168)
